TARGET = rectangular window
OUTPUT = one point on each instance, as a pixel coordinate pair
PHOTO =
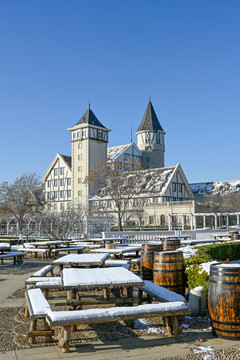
(61, 171)
(174, 187)
(80, 146)
(49, 195)
(55, 172)
(80, 157)
(69, 193)
(69, 181)
(49, 183)
(55, 194)
(55, 206)
(80, 180)
(180, 187)
(80, 169)
(61, 206)
(79, 193)
(100, 134)
(61, 182)
(84, 134)
(151, 220)
(155, 199)
(61, 194)
(55, 183)
(135, 202)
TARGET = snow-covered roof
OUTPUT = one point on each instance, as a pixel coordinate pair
(147, 182)
(114, 151)
(216, 187)
(118, 152)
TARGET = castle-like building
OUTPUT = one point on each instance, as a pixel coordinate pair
(164, 190)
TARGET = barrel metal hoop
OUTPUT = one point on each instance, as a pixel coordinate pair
(224, 282)
(227, 323)
(226, 331)
(167, 271)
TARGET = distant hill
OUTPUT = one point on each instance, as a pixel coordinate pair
(216, 187)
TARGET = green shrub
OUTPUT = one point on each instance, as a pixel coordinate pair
(197, 277)
(215, 252)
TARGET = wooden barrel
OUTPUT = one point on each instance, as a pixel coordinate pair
(146, 260)
(235, 236)
(233, 232)
(224, 300)
(168, 270)
(171, 244)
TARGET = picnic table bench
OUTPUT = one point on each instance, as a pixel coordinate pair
(37, 308)
(43, 251)
(78, 249)
(158, 292)
(67, 319)
(17, 257)
(44, 271)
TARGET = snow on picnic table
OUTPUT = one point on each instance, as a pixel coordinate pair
(118, 250)
(99, 277)
(81, 258)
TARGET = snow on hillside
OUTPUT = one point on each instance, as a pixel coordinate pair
(216, 187)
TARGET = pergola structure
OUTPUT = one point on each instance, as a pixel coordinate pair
(218, 219)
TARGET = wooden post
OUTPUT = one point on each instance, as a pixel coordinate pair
(65, 340)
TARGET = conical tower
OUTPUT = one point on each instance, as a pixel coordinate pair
(151, 139)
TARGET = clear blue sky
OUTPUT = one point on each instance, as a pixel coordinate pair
(57, 55)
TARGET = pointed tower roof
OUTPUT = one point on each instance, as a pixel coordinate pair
(150, 120)
(89, 118)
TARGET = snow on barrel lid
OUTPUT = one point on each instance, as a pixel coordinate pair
(227, 265)
(169, 252)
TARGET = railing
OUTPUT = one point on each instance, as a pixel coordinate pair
(146, 236)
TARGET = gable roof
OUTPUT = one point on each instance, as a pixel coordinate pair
(90, 118)
(114, 152)
(150, 120)
(67, 159)
(148, 183)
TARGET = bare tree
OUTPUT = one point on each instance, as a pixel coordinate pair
(60, 225)
(117, 181)
(20, 198)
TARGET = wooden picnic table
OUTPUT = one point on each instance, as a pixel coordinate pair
(51, 244)
(107, 240)
(4, 248)
(119, 251)
(112, 281)
(72, 260)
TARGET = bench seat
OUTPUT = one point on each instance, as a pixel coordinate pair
(46, 279)
(117, 263)
(160, 293)
(17, 257)
(67, 319)
(35, 251)
(44, 271)
(37, 308)
(78, 249)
